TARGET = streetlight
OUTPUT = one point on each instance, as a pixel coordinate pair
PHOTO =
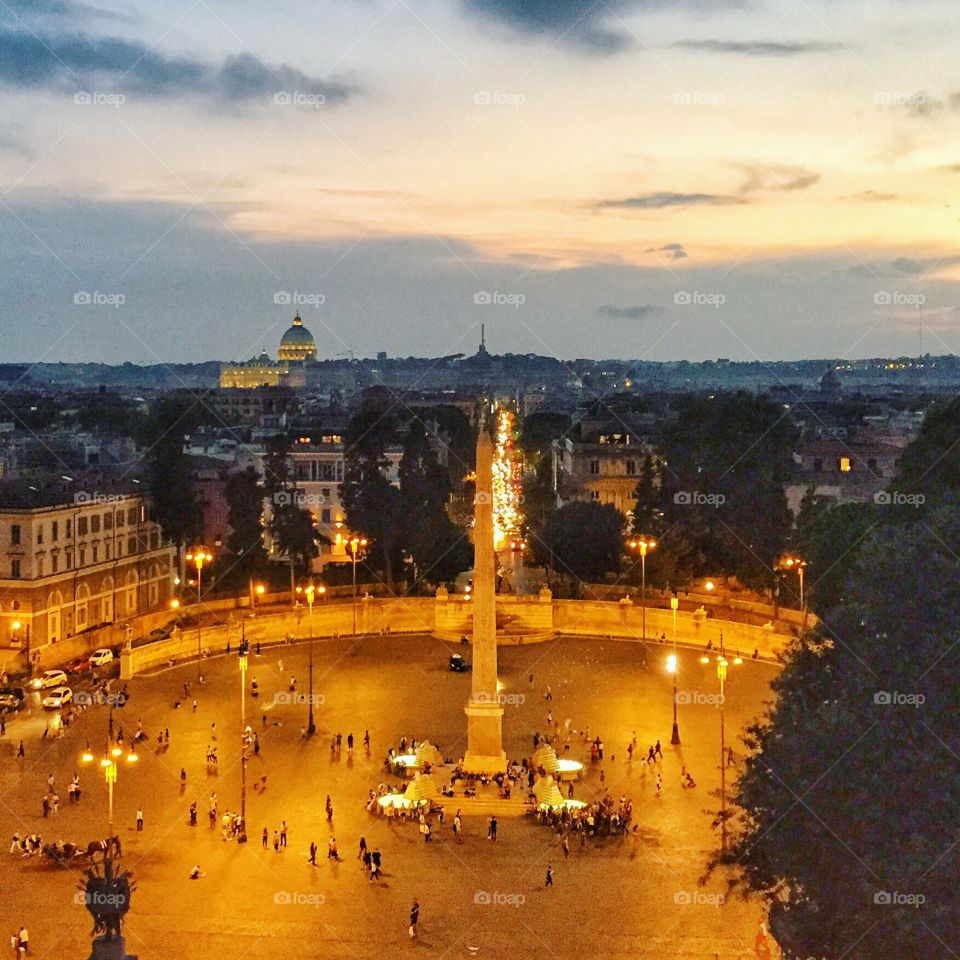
(311, 726)
(355, 545)
(722, 664)
(199, 556)
(108, 763)
(643, 545)
(672, 668)
(798, 564)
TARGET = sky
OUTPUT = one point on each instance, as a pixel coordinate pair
(655, 179)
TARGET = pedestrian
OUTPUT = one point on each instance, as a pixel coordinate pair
(195, 873)
(349, 745)
(213, 731)
(339, 741)
(414, 920)
(329, 809)
(629, 753)
(375, 861)
(265, 839)
(20, 752)
(23, 938)
(659, 784)
(363, 848)
(45, 802)
(366, 741)
(194, 704)
(276, 841)
(280, 665)
(293, 684)
(166, 735)
(651, 755)
(183, 777)
(549, 693)
(256, 745)
(549, 882)
(493, 829)
(139, 819)
(283, 833)
(313, 854)
(50, 782)
(3, 726)
(303, 732)
(657, 751)
(729, 756)
(332, 849)
(565, 846)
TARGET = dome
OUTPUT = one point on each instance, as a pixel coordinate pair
(297, 343)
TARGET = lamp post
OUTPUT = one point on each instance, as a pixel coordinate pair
(355, 545)
(672, 664)
(643, 544)
(108, 763)
(722, 664)
(199, 556)
(243, 651)
(311, 726)
(798, 564)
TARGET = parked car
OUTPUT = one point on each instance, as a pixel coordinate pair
(458, 664)
(57, 698)
(11, 698)
(160, 633)
(79, 665)
(49, 678)
(101, 657)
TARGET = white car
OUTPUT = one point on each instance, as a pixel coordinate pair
(99, 657)
(58, 698)
(49, 678)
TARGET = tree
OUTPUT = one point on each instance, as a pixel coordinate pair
(295, 535)
(582, 538)
(850, 802)
(244, 495)
(647, 514)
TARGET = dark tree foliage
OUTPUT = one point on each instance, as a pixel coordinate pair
(725, 462)
(851, 802)
(244, 495)
(930, 465)
(582, 538)
(109, 414)
(540, 429)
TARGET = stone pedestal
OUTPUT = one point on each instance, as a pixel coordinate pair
(485, 752)
(114, 949)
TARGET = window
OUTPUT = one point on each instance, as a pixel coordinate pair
(631, 467)
(95, 523)
(132, 516)
(82, 557)
(68, 559)
(15, 534)
(55, 530)
(69, 530)
(845, 464)
(594, 467)
(108, 521)
(81, 526)
(121, 519)
(131, 545)
(39, 533)
(325, 515)
(872, 464)
(818, 464)
(594, 494)
(15, 569)
(54, 562)
(107, 550)
(326, 493)
(96, 553)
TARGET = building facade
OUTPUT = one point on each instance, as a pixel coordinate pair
(68, 567)
(604, 470)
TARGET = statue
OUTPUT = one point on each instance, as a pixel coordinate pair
(107, 898)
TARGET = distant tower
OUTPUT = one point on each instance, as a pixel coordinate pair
(482, 352)
(830, 384)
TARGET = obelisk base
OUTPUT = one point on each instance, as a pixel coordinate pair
(115, 949)
(484, 738)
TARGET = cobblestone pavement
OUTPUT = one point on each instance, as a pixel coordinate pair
(616, 898)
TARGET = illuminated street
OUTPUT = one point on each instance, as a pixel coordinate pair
(616, 897)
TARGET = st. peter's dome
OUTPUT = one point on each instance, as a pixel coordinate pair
(297, 344)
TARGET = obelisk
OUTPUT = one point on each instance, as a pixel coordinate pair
(484, 711)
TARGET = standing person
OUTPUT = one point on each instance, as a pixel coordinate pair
(375, 860)
(363, 848)
(349, 745)
(23, 940)
(549, 882)
(139, 819)
(366, 741)
(457, 822)
(276, 842)
(20, 752)
(256, 745)
(3, 725)
(194, 704)
(329, 809)
(565, 846)
(659, 784)
(414, 919)
(265, 839)
(283, 833)
(493, 828)
(339, 742)
(313, 854)
(332, 849)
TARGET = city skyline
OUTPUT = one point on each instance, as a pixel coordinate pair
(668, 182)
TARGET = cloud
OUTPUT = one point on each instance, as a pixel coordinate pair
(78, 62)
(580, 23)
(664, 200)
(675, 251)
(637, 311)
(776, 177)
(759, 48)
(926, 267)
(871, 196)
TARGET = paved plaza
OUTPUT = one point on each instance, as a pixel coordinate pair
(634, 897)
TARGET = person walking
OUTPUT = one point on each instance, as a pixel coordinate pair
(657, 751)
(313, 854)
(23, 940)
(414, 920)
(265, 838)
(332, 849)
(565, 846)
(139, 819)
(659, 784)
(549, 881)
(283, 833)
(276, 841)
(20, 752)
(349, 745)
(492, 834)
(329, 809)
(366, 741)
(363, 848)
